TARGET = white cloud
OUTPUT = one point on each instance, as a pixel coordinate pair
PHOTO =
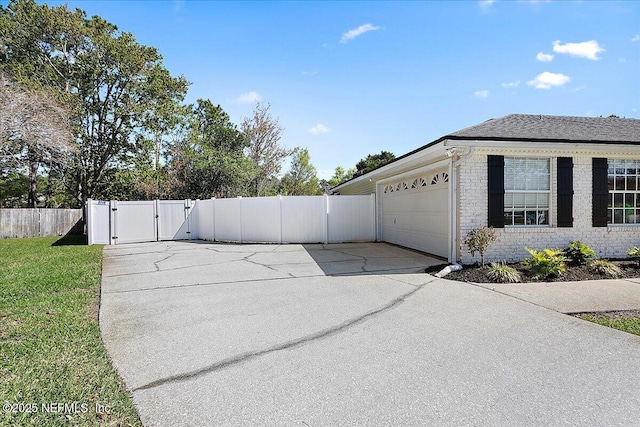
(352, 34)
(636, 38)
(319, 129)
(544, 57)
(622, 60)
(249, 98)
(511, 84)
(548, 80)
(308, 73)
(481, 93)
(589, 50)
(486, 3)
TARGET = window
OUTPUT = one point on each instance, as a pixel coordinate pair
(623, 178)
(527, 190)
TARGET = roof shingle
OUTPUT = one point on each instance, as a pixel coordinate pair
(555, 128)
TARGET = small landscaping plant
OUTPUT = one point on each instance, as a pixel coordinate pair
(579, 253)
(479, 239)
(502, 273)
(546, 263)
(604, 267)
(634, 254)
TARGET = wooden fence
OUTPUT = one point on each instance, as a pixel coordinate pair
(40, 222)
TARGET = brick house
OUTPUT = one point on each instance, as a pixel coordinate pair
(540, 181)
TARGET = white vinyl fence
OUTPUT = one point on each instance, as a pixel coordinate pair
(288, 219)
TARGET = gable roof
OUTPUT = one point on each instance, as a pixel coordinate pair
(530, 127)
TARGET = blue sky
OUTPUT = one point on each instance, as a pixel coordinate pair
(347, 79)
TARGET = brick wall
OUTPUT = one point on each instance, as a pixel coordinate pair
(609, 242)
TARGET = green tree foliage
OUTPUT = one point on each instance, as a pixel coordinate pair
(373, 161)
(301, 180)
(262, 133)
(210, 162)
(123, 99)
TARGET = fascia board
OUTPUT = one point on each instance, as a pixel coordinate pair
(547, 146)
(429, 154)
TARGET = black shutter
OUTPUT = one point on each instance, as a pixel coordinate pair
(565, 192)
(495, 181)
(600, 192)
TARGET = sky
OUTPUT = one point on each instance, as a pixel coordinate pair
(348, 79)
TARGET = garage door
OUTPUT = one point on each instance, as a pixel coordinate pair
(415, 212)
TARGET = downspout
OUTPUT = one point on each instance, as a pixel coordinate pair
(453, 197)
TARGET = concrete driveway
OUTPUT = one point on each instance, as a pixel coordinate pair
(212, 334)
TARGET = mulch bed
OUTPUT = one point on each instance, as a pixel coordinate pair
(475, 273)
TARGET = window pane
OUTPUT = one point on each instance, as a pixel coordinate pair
(543, 200)
(610, 216)
(518, 200)
(631, 183)
(508, 200)
(518, 217)
(620, 183)
(628, 202)
(618, 200)
(610, 180)
(508, 218)
(543, 217)
(630, 165)
(617, 216)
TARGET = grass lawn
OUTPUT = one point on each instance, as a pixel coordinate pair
(54, 369)
(628, 324)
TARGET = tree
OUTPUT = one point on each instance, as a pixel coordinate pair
(301, 180)
(210, 162)
(373, 161)
(262, 133)
(34, 132)
(118, 89)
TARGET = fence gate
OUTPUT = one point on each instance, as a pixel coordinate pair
(133, 222)
(174, 219)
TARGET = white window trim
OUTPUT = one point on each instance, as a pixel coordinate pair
(552, 193)
(618, 225)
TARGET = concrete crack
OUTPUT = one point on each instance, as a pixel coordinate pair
(298, 342)
(264, 265)
(163, 259)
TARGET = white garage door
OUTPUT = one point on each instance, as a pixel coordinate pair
(415, 212)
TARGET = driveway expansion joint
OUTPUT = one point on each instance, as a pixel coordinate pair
(298, 342)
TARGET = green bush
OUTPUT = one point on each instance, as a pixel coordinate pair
(605, 268)
(479, 239)
(634, 254)
(579, 253)
(502, 273)
(546, 263)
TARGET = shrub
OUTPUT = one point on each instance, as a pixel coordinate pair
(604, 267)
(479, 239)
(634, 254)
(579, 253)
(502, 273)
(546, 263)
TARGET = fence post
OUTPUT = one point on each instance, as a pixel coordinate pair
(326, 218)
(89, 216)
(213, 217)
(280, 217)
(374, 217)
(240, 215)
(113, 225)
(187, 211)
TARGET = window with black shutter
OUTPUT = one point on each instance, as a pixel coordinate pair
(600, 192)
(495, 181)
(565, 192)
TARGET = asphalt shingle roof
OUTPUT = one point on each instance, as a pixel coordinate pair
(555, 128)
